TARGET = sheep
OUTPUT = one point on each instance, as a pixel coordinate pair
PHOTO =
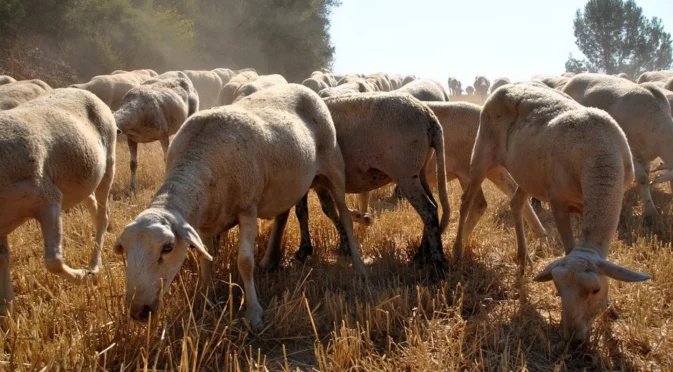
(652, 76)
(623, 76)
(17, 93)
(57, 151)
(576, 158)
(5, 79)
(554, 82)
(408, 79)
(261, 83)
(499, 82)
(314, 84)
(155, 111)
(469, 90)
(112, 88)
(230, 166)
(368, 126)
(225, 75)
(357, 86)
(669, 85)
(643, 113)
(380, 80)
(568, 74)
(327, 78)
(395, 82)
(208, 85)
(425, 90)
(228, 92)
(455, 87)
(481, 85)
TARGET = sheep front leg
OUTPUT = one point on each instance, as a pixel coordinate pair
(6, 291)
(517, 203)
(133, 151)
(52, 231)
(642, 176)
(247, 223)
(562, 219)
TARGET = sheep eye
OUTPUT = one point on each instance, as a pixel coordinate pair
(595, 291)
(167, 248)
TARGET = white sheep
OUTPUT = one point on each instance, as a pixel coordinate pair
(355, 85)
(225, 75)
(469, 90)
(425, 90)
(208, 85)
(499, 82)
(384, 138)
(455, 86)
(262, 82)
(314, 84)
(57, 151)
(652, 76)
(154, 111)
(643, 113)
(228, 92)
(379, 80)
(16, 93)
(669, 85)
(578, 160)
(554, 82)
(112, 88)
(481, 85)
(5, 79)
(230, 166)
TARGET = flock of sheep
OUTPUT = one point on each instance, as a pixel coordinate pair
(250, 146)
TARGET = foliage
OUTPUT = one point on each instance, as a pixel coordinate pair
(11, 13)
(615, 36)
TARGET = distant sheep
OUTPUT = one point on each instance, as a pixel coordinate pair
(499, 82)
(469, 90)
(455, 86)
(652, 76)
(481, 85)
(425, 90)
(228, 92)
(19, 92)
(314, 84)
(4, 79)
(262, 82)
(358, 85)
(112, 88)
(208, 85)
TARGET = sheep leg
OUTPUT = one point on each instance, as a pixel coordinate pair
(336, 184)
(165, 142)
(247, 223)
(133, 150)
(6, 291)
(562, 219)
(205, 265)
(274, 251)
(431, 244)
(305, 246)
(329, 208)
(101, 219)
(397, 193)
(478, 208)
(52, 232)
(642, 176)
(362, 215)
(467, 200)
(506, 184)
(516, 204)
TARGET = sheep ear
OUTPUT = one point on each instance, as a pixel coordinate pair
(664, 177)
(193, 240)
(620, 273)
(546, 274)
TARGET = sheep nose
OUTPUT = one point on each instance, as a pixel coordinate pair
(141, 313)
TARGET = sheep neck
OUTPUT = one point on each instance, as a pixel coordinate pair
(182, 192)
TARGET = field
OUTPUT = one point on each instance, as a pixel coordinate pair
(318, 316)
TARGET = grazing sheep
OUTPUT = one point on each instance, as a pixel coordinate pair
(228, 92)
(469, 90)
(410, 134)
(112, 88)
(17, 93)
(380, 80)
(225, 75)
(425, 90)
(643, 113)
(4, 79)
(652, 76)
(481, 85)
(155, 111)
(499, 82)
(358, 86)
(262, 82)
(57, 151)
(455, 86)
(230, 166)
(578, 160)
(208, 85)
(314, 84)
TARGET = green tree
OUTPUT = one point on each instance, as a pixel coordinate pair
(615, 36)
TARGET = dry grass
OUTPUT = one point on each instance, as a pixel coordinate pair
(319, 317)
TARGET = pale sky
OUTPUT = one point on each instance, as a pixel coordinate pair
(440, 38)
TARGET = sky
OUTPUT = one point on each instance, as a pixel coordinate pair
(441, 38)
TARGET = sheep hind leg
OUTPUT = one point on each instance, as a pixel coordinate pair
(133, 151)
(305, 246)
(6, 291)
(362, 215)
(643, 179)
(430, 251)
(329, 208)
(516, 204)
(52, 231)
(102, 218)
(247, 223)
(274, 251)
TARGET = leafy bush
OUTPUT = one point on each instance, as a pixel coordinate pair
(11, 13)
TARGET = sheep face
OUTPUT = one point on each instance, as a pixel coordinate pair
(156, 246)
(581, 279)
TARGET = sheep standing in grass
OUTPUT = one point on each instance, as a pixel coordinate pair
(481, 85)
(578, 160)
(230, 166)
(643, 113)
(56, 151)
(261, 83)
(425, 90)
(499, 82)
(14, 94)
(112, 88)
(4, 79)
(155, 111)
(384, 138)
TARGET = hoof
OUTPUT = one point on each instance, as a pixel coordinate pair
(362, 218)
(254, 318)
(649, 221)
(270, 265)
(302, 254)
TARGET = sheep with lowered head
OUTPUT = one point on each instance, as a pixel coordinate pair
(230, 166)
(155, 111)
(57, 151)
(643, 113)
(5, 79)
(481, 85)
(578, 160)
(16, 93)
